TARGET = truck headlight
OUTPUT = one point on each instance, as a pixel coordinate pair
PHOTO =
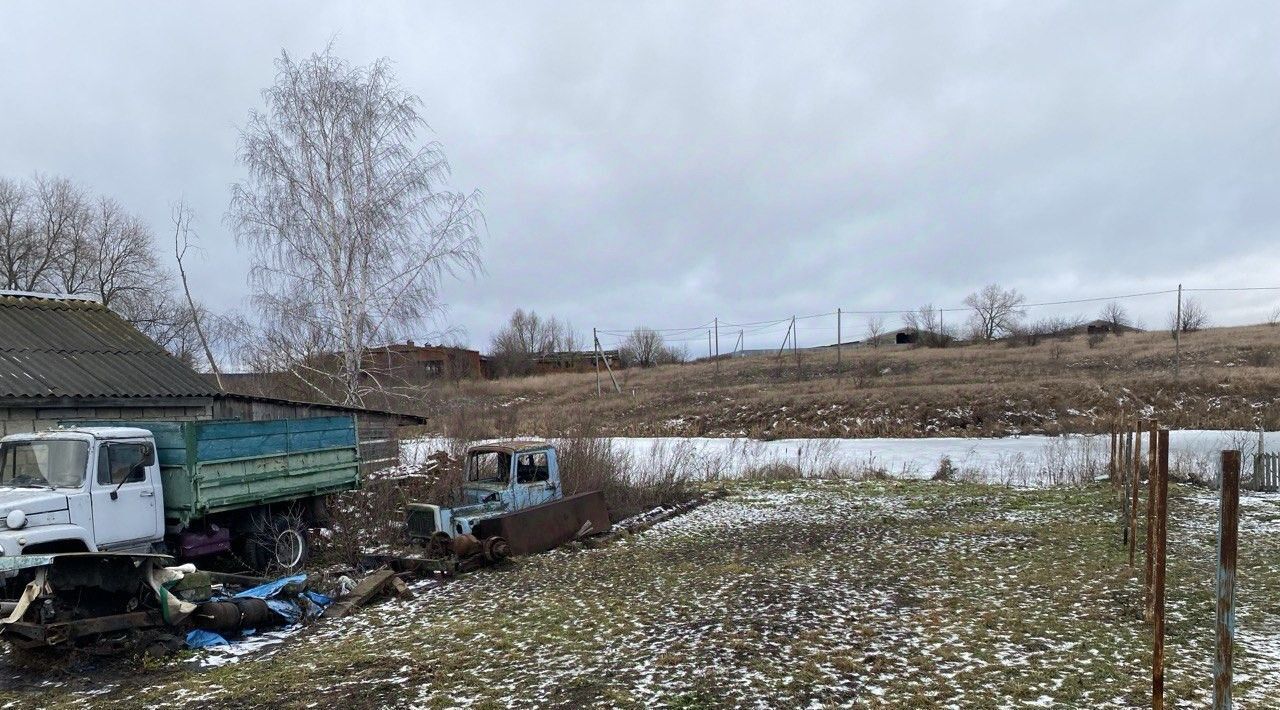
(16, 519)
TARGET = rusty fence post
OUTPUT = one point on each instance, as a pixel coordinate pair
(1225, 626)
(1152, 456)
(1161, 521)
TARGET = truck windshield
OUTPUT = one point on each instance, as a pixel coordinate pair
(50, 463)
(490, 467)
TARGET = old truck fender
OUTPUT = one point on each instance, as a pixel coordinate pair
(9, 539)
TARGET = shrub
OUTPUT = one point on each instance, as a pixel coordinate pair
(946, 470)
(593, 463)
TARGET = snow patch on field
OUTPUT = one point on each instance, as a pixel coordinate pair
(1021, 461)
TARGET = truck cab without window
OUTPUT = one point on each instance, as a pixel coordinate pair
(512, 503)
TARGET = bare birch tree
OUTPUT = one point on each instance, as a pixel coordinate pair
(347, 214)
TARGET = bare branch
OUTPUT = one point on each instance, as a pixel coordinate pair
(182, 216)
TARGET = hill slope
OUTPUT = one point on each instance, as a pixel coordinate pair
(1228, 378)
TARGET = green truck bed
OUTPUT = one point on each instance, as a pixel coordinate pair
(216, 466)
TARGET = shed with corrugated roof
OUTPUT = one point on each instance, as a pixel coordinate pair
(63, 357)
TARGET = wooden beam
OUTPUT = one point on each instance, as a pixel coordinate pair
(366, 590)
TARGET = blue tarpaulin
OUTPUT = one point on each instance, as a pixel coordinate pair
(270, 589)
(293, 610)
(199, 638)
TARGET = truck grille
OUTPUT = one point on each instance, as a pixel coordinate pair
(421, 523)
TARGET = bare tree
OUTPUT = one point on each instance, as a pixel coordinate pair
(995, 310)
(163, 319)
(114, 258)
(927, 322)
(182, 216)
(1274, 319)
(527, 336)
(55, 236)
(561, 337)
(645, 347)
(1194, 317)
(60, 219)
(1115, 316)
(17, 232)
(875, 330)
(351, 226)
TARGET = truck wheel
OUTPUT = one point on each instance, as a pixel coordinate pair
(280, 544)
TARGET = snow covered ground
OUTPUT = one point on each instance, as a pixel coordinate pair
(1023, 460)
(878, 594)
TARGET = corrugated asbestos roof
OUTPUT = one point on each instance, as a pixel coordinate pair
(51, 347)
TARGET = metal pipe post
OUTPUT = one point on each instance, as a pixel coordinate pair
(1162, 520)
(1152, 455)
(1135, 482)
(1228, 520)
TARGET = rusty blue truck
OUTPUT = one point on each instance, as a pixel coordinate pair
(513, 503)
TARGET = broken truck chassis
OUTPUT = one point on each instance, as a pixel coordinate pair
(125, 579)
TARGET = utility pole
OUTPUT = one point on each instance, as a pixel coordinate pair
(1177, 338)
(783, 348)
(717, 322)
(596, 343)
(838, 339)
(600, 352)
(795, 346)
(942, 331)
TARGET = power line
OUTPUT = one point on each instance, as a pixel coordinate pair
(962, 309)
(1239, 288)
(765, 327)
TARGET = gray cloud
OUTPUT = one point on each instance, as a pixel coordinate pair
(662, 164)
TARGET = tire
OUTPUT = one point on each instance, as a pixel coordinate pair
(278, 544)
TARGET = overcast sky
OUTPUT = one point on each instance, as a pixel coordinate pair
(662, 164)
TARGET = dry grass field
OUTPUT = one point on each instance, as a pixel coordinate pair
(1229, 378)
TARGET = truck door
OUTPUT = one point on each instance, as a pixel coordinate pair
(534, 484)
(126, 507)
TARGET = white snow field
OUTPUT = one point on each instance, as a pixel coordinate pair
(1024, 460)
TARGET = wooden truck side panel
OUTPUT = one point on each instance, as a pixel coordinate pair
(218, 466)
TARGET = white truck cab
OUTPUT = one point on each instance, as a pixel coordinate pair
(90, 489)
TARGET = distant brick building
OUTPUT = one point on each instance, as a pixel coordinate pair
(407, 363)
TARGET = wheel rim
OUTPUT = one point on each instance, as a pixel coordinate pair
(289, 547)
